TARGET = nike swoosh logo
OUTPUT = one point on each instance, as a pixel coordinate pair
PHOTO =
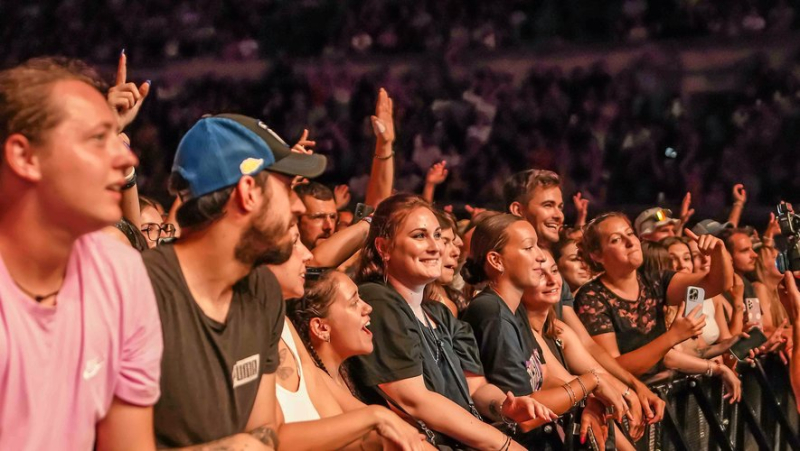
(92, 368)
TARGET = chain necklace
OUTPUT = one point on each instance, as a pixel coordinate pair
(437, 355)
(37, 297)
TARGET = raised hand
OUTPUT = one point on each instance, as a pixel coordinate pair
(773, 227)
(739, 194)
(437, 173)
(706, 244)
(581, 207)
(686, 210)
(341, 195)
(304, 145)
(126, 98)
(383, 120)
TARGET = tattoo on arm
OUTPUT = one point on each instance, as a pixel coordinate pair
(284, 371)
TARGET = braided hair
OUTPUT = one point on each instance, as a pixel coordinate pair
(315, 303)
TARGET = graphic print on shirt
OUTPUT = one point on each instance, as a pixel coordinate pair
(534, 368)
(245, 370)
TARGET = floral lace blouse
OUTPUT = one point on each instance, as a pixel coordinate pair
(635, 322)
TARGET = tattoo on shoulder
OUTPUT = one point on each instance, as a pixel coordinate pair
(266, 435)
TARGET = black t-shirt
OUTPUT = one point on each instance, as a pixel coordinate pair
(511, 358)
(635, 322)
(210, 372)
(405, 348)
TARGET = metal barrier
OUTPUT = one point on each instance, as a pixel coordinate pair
(697, 418)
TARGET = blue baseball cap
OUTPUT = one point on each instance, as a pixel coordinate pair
(218, 150)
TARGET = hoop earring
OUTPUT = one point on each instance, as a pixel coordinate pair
(385, 273)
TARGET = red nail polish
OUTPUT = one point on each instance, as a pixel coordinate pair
(583, 440)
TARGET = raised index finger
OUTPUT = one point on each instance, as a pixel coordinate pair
(122, 68)
(691, 235)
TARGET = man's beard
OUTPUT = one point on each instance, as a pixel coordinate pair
(264, 245)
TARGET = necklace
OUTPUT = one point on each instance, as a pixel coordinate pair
(37, 297)
(436, 355)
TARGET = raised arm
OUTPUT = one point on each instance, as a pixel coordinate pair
(340, 246)
(718, 279)
(381, 177)
(437, 174)
(739, 199)
(581, 209)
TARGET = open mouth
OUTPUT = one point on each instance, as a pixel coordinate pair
(365, 329)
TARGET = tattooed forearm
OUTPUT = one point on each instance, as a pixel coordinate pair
(266, 435)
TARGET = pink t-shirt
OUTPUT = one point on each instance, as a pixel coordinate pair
(61, 367)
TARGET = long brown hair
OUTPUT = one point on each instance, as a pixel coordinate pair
(387, 220)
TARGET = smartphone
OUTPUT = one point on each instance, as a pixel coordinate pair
(694, 297)
(362, 211)
(741, 347)
(753, 307)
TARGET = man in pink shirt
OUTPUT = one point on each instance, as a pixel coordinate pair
(80, 337)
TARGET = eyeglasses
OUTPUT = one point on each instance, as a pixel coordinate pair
(322, 216)
(154, 231)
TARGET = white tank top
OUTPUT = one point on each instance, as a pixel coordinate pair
(711, 331)
(296, 406)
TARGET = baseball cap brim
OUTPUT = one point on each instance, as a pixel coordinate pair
(286, 161)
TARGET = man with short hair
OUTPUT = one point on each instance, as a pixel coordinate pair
(80, 346)
(535, 195)
(740, 246)
(318, 223)
(655, 224)
(220, 307)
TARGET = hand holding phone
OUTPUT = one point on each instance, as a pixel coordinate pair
(694, 297)
(741, 348)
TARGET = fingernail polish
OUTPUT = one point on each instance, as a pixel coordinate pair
(583, 440)
(122, 52)
(148, 82)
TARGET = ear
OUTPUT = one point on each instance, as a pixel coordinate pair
(515, 208)
(597, 257)
(21, 157)
(318, 328)
(382, 245)
(495, 260)
(247, 193)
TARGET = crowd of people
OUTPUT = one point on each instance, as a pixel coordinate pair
(262, 309)
(168, 31)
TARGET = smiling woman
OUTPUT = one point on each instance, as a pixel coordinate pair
(425, 362)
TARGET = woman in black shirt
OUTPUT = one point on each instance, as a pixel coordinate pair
(623, 309)
(505, 254)
(425, 361)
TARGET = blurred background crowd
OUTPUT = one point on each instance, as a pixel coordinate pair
(624, 133)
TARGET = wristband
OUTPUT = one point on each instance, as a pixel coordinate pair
(384, 158)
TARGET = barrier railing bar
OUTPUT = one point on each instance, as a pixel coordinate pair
(750, 419)
(670, 424)
(717, 430)
(775, 407)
